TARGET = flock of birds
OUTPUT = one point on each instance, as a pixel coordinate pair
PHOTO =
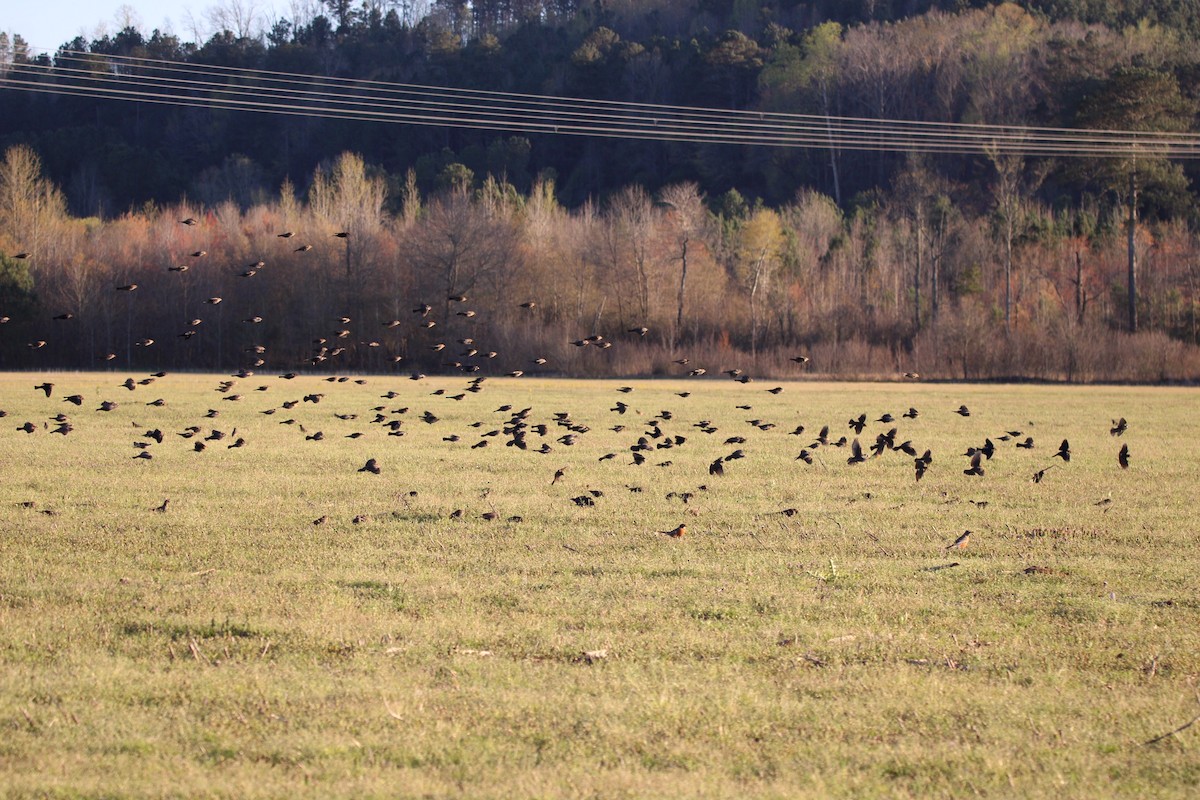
(651, 442)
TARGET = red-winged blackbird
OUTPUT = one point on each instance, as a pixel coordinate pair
(1123, 457)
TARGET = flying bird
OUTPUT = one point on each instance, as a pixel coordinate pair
(1064, 451)
(1123, 456)
(372, 466)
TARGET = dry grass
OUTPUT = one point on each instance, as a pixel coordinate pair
(230, 648)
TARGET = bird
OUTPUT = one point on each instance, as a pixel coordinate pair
(856, 453)
(23, 254)
(1119, 427)
(179, 268)
(75, 399)
(212, 301)
(920, 465)
(199, 254)
(1123, 456)
(1041, 473)
(342, 234)
(961, 542)
(677, 532)
(640, 331)
(372, 466)
(163, 508)
(45, 387)
(286, 234)
(529, 304)
(558, 474)
(963, 411)
(799, 359)
(188, 221)
(976, 467)
(304, 248)
(1064, 451)
(64, 316)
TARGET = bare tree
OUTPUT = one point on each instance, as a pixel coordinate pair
(687, 218)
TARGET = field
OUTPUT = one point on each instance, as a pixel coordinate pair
(229, 646)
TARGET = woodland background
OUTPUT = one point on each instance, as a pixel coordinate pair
(872, 264)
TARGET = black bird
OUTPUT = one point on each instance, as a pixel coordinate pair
(856, 453)
(963, 411)
(976, 467)
(1119, 427)
(1123, 456)
(716, 467)
(75, 399)
(342, 234)
(920, 466)
(1027, 444)
(1041, 473)
(857, 425)
(911, 413)
(805, 456)
(45, 387)
(372, 466)
(1064, 451)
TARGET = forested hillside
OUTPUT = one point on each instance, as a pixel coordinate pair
(870, 261)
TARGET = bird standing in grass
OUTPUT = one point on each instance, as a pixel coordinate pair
(961, 542)
(678, 532)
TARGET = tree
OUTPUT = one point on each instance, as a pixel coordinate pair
(687, 217)
(758, 251)
(30, 205)
(1137, 99)
(348, 199)
(1013, 184)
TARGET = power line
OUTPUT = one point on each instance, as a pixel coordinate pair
(157, 81)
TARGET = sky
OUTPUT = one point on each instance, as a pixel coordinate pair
(47, 24)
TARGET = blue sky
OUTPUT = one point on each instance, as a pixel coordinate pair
(50, 23)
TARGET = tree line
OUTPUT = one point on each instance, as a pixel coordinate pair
(952, 264)
(493, 280)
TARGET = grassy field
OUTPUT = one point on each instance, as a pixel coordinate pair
(230, 647)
